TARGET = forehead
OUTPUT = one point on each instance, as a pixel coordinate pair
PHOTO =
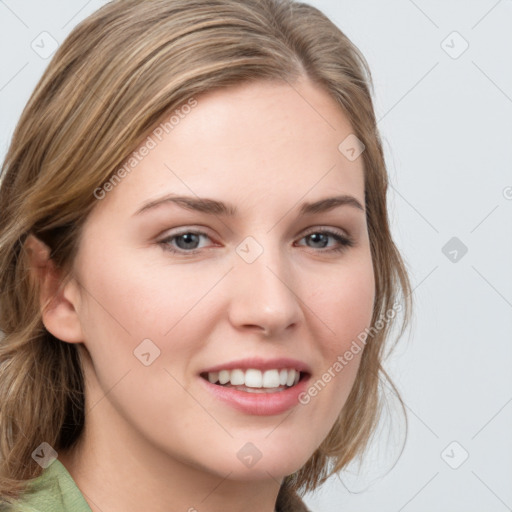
(257, 143)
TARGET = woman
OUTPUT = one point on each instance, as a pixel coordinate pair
(197, 270)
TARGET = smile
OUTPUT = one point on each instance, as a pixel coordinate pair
(253, 380)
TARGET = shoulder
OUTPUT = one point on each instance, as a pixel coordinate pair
(17, 507)
(289, 501)
(53, 491)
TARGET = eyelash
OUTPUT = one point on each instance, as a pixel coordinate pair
(344, 241)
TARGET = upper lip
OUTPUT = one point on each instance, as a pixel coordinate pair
(260, 364)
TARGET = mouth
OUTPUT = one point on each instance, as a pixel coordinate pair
(257, 386)
(254, 380)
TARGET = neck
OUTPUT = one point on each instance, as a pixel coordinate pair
(124, 477)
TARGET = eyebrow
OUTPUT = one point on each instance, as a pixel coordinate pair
(214, 207)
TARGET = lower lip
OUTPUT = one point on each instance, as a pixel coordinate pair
(258, 404)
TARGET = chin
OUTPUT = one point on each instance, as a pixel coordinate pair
(261, 459)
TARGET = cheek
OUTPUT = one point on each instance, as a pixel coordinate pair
(151, 315)
(141, 299)
(162, 310)
(345, 309)
(345, 306)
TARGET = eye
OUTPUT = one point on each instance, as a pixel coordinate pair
(320, 240)
(185, 242)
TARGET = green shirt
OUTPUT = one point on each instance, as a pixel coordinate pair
(56, 491)
(53, 491)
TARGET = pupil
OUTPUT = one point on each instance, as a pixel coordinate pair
(315, 237)
(189, 238)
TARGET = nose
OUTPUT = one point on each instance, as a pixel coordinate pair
(264, 295)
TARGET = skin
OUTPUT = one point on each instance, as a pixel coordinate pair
(154, 438)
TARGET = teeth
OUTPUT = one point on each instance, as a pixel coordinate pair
(291, 378)
(271, 379)
(253, 378)
(224, 376)
(237, 378)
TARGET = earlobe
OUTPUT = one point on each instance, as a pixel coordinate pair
(57, 300)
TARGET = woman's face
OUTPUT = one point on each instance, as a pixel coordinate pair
(247, 275)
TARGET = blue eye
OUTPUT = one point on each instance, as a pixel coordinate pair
(321, 237)
(187, 242)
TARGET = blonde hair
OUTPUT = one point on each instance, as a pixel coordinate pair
(114, 77)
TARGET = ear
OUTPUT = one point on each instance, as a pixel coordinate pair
(57, 300)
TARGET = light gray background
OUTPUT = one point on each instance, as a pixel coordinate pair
(446, 121)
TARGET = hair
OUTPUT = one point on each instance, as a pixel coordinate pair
(112, 80)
